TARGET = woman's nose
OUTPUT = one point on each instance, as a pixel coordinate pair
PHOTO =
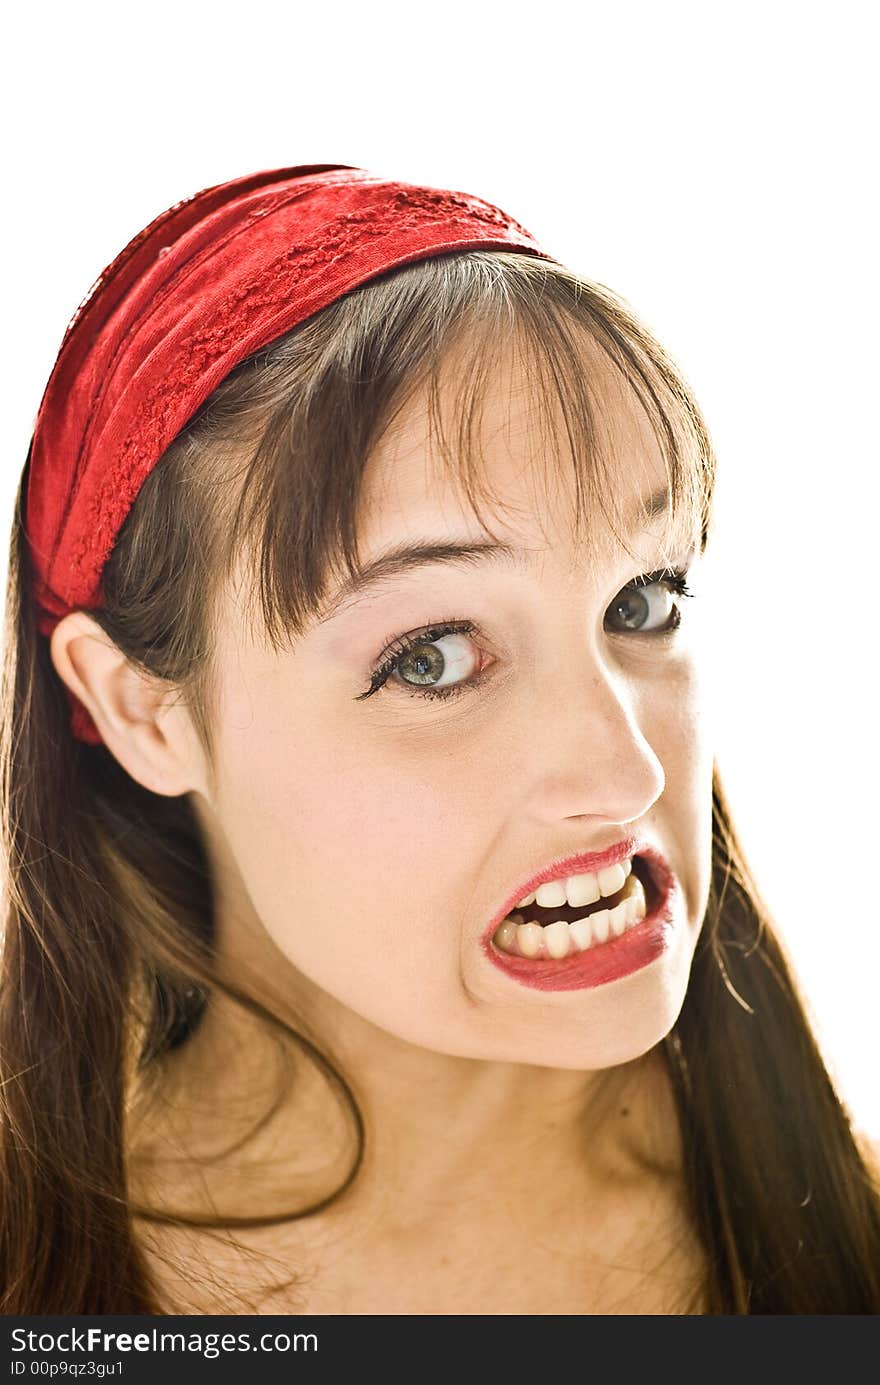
(588, 755)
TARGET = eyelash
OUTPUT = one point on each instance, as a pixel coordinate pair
(674, 579)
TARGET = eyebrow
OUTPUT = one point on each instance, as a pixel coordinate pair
(405, 558)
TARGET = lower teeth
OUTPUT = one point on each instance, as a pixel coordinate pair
(559, 939)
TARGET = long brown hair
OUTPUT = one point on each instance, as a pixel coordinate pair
(108, 955)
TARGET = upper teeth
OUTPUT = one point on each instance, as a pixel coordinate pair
(578, 890)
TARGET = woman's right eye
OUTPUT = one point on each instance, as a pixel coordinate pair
(420, 659)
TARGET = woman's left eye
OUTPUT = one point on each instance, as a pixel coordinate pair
(431, 672)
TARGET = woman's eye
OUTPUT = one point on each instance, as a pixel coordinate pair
(443, 661)
(436, 665)
(647, 605)
(440, 662)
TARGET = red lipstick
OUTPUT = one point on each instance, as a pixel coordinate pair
(602, 962)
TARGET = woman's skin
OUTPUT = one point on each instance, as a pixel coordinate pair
(522, 1152)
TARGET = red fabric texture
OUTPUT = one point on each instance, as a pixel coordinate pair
(209, 281)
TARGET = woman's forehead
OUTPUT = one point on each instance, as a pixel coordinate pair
(521, 460)
(531, 472)
(521, 477)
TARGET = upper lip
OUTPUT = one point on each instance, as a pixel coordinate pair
(570, 865)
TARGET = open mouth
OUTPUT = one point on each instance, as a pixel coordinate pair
(653, 893)
(628, 893)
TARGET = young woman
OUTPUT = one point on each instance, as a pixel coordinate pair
(377, 939)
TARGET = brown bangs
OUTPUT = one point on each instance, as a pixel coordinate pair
(291, 430)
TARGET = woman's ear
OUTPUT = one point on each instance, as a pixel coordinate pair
(142, 724)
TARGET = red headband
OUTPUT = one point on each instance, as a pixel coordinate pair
(211, 280)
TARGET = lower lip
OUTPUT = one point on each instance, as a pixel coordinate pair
(638, 947)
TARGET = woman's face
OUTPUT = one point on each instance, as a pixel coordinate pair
(376, 837)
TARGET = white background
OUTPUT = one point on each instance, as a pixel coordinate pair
(715, 164)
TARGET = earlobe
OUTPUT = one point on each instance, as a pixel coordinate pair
(127, 707)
